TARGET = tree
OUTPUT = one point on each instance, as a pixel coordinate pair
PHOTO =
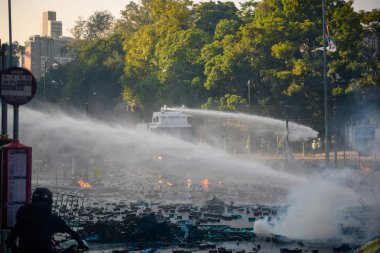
(355, 69)
(93, 77)
(170, 14)
(97, 26)
(225, 27)
(179, 68)
(172, 52)
(208, 14)
(281, 43)
(79, 29)
(371, 54)
(229, 102)
(145, 61)
(134, 17)
(17, 50)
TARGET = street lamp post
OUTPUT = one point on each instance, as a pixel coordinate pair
(54, 66)
(56, 175)
(45, 72)
(249, 84)
(87, 105)
(327, 150)
(37, 174)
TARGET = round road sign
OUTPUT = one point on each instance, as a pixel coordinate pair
(18, 86)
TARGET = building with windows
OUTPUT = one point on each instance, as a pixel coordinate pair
(43, 51)
(50, 26)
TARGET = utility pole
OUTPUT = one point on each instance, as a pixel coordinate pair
(248, 145)
(249, 84)
(286, 144)
(4, 117)
(4, 106)
(327, 149)
(45, 72)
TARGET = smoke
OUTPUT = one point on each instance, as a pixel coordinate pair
(317, 204)
(327, 206)
(315, 210)
(60, 135)
(260, 124)
(263, 228)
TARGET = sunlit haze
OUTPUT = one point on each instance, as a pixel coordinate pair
(317, 200)
(291, 167)
(27, 14)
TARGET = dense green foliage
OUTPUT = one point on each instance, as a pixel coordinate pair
(175, 52)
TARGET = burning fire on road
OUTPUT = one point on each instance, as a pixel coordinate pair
(84, 184)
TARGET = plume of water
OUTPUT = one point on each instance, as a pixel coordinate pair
(259, 124)
(59, 133)
(316, 202)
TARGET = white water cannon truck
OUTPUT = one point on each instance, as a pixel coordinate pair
(169, 121)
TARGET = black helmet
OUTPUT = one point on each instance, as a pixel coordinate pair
(42, 194)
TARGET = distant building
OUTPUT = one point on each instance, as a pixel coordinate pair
(50, 26)
(46, 51)
(43, 51)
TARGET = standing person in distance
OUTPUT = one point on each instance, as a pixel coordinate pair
(314, 147)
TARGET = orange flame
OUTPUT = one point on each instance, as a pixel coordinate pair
(188, 183)
(205, 183)
(366, 168)
(84, 184)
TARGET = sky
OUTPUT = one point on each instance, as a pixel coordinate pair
(27, 14)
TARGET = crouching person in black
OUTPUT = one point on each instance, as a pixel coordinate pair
(36, 226)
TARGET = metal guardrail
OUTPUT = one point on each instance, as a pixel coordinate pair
(67, 206)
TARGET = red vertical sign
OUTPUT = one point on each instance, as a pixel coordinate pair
(16, 180)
